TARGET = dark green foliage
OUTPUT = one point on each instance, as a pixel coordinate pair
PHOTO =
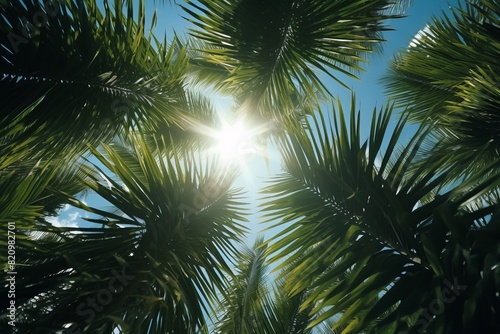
(377, 234)
(272, 49)
(82, 76)
(170, 228)
(449, 77)
(375, 243)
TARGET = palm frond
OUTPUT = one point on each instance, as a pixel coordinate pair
(243, 309)
(169, 231)
(273, 48)
(448, 77)
(83, 75)
(361, 208)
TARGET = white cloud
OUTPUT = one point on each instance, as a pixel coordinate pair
(73, 216)
(71, 221)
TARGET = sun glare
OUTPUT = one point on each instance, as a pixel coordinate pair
(234, 143)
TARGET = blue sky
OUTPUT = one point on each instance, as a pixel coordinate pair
(369, 92)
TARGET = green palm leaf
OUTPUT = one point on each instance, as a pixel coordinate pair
(169, 232)
(272, 49)
(369, 226)
(243, 310)
(83, 75)
(256, 304)
(449, 77)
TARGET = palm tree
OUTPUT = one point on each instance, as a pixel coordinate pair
(76, 79)
(151, 262)
(27, 198)
(449, 76)
(244, 311)
(376, 239)
(256, 304)
(268, 51)
(72, 75)
(383, 248)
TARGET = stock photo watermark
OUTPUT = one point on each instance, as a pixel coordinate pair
(30, 27)
(95, 304)
(437, 306)
(11, 272)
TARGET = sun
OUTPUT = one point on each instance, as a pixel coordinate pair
(235, 142)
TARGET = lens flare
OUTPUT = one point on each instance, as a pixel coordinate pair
(234, 142)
